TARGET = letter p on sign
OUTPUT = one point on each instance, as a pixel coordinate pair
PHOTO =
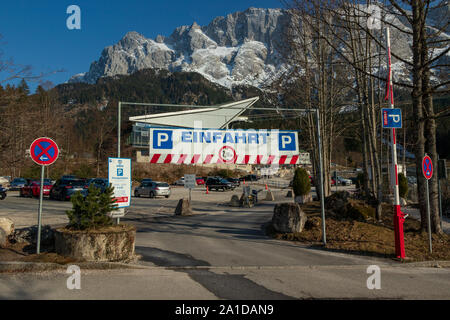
(286, 141)
(162, 139)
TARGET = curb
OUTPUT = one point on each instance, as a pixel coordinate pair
(19, 267)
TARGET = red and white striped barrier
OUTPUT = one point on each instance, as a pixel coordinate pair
(213, 159)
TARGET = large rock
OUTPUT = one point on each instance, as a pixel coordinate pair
(345, 208)
(29, 235)
(112, 244)
(235, 202)
(269, 196)
(337, 201)
(183, 208)
(288, 218)
(7, 225)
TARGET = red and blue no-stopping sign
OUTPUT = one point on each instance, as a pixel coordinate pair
(44, 151)
(427, 167)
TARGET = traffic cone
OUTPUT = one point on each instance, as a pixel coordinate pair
(207, 190)
(266, 186)
(244, 181)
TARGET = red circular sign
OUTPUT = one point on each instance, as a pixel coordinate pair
(44, 151)
(227, 154)
(427, 167)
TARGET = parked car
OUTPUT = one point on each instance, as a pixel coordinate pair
(33, 188)
(219, 183)
(99, 183)
(200, 181)
(64, 189)
(2, 192)
(235, 181)
(250, 177)
(344, 181)
(411, 179)
(70, 176)
(179, 182)
(153, 189)
(146, 180)
(17, 184)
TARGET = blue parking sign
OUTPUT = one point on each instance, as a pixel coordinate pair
(391, 117)
(162, 139)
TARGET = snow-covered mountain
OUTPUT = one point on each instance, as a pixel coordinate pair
(240, 48)
(237, 49)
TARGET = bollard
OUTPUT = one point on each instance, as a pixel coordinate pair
(207, 190)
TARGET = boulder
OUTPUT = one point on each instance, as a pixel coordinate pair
(234, 202)
(269, 196)
(288, 218)
(303, 199)
(29, 235)
(7, 225)
(183, 208)
(345, 208)
(337, 202)
(111, 244)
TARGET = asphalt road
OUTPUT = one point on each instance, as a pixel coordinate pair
(221, 252)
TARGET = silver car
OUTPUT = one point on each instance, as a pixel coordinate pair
(153, 189)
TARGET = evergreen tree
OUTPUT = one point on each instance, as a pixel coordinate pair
(91, 212)
(23, 87)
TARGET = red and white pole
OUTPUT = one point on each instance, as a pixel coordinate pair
(399, 217)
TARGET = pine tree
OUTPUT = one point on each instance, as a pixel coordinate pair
(91, 212)
(23, 87)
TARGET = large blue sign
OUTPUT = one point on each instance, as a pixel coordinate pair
(391, 118)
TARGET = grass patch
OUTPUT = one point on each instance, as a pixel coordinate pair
(368, 237)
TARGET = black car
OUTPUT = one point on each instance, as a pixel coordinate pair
(219, 183)
(234, 181)
(64, 189)
(17, 184)
(250, 177)
(2, 192)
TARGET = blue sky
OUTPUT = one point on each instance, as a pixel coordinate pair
(35, 33)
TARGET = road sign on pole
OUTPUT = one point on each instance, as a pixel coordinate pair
(391, 117)
(44, 151)
(119, 176)
(189, 182)
(427, 169)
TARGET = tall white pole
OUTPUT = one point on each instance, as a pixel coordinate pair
(390, 92)
(399, 217)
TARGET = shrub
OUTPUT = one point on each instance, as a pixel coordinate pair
(301, 184)
(91, 212)
(402, 185)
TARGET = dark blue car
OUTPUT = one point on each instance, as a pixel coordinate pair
(17, 184)
(64, 189)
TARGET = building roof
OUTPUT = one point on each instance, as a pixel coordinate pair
(217, 117)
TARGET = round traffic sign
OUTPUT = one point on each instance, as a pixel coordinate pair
(227, 154)
(427, 167)
(44, 151)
